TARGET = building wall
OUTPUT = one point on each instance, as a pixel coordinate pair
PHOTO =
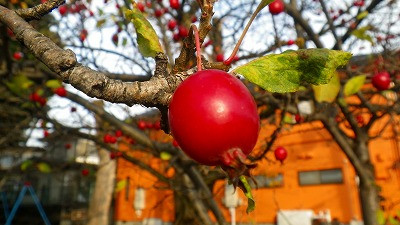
(310, 148)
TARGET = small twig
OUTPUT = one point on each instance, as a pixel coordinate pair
(38, 11)
(198, 49)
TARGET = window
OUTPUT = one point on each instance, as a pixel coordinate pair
(332, 176)
(268, 181)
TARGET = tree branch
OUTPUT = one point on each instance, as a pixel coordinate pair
(155, 92)
(37, 12)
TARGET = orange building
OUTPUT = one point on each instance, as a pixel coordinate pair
(316, 177)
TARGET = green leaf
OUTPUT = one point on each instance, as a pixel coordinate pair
(287, 71)
(393, 221)
(361, 33)
(362, 15)
(264, 3)
(100, 23)
(26, 164)
(165, 156)
(53, 84)
(380, 216)
(43, 167)
(147, 38)
(327, 92)
(288, 119)
(353, 85)
(245, 186)
(19, 84)
(120, 185)
(342, 102)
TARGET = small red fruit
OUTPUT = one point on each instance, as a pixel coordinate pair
(85, 172)
(60, 91)
(381, 81)
(142, 125)
(174, 4)
(194, 19)
(118, 133)
(35, 97)
(18, 55)
(176, 37)
(290, 42)
(46, 133)
(157, 125)
(220, 57)
(172, 24)
(118, 154)
(280, 153)
(276, 7)
(63, 10)
(114, 39)
(83, 35)
(112, 155)
(298, 118)
(42, 101)
(158, 13)
(140, 6)
(183, 31)
(209, 114)
(67, 146)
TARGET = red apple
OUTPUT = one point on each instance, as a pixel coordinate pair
(381, 81)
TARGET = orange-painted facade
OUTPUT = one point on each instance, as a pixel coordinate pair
(310, 148)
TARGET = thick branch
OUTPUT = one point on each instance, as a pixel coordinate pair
(37, 12)
(155, 92)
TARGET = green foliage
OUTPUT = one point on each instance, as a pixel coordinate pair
(353, 85)
(245, 186)
(380, 216)
(327, 92)
(361, 33)
(286, 72)
(165, 156)
(43, 167)
(53, 84)
(26, 164)
(120, 185)
(147, 38)
(19, 85)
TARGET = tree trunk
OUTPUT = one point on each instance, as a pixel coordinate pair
(99, 207)
(369, 201)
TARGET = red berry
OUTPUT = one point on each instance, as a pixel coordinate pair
(174, 4)
(381, 81)
(175, 143)
(131, 141)
(183, 31)
(360, 120)
(176, 37)
(158, 12)
(118, 133)
(114, 39)
(157, 125)
(298, 118)
(148, 4)
(280, 153)
(107, 138)
(208, 115)
(142, 125)
(140, 6)
(118, 154)
(290, 42)
(113, 139)
(83, 35)
(35, 97)
(67, 146)
(149, 125)
(60, 91)
(172, 24)
(112, 155)
(359, 3)
(46, 133)
(18, 55)
(194, 19)
(220, 57)
(42, 101)
(63, 10)
(85, 172)
(276, 7)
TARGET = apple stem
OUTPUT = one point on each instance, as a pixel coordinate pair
(229, 60)
(198, 49)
